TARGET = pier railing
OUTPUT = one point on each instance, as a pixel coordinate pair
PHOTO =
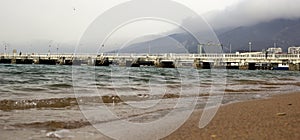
(165, 55)
(241, 61)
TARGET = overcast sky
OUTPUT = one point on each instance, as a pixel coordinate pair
(31, 24)
(249, 12)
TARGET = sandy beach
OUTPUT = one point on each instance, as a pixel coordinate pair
(275, 118)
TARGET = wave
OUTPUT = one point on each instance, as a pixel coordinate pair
(54, 125)
(243, 90)
(62, 85)
(270, 82)
(8, 105)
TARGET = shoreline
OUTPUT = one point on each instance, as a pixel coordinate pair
(276, 117)
(273, 117)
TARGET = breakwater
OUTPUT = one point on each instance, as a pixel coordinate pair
(244, 61)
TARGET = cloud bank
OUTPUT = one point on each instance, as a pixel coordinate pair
(250, 12)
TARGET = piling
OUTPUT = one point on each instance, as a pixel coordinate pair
(294, 67)
(102, 62)
(48, 61)
(24, 61)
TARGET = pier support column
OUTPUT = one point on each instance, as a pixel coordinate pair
(244, 66)
(207, 65)
(24, 61)
(102, 62)
(294, 67)
(5, 61)
(48, 61)
(251, 66)
(197, 64)
(90, 61)
(165, 64)
(13, 61)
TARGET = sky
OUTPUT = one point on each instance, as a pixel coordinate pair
(250, 12)
(37, 25)
(31, 24)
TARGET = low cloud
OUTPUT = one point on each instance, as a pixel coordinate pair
(250, 12)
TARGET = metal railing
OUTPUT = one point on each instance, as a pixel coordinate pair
(168, 55)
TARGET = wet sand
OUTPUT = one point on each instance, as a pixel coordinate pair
(276, 118)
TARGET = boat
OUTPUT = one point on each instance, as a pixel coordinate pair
(281, 67)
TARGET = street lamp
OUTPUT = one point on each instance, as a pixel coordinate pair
(49, 50)
(250, 46)
(200, 48)
(57, 51)
(5, 47)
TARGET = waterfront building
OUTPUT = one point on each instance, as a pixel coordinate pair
(274, 50)
(294, 50)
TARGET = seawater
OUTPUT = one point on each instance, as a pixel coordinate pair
(46, 97)
(45, 81)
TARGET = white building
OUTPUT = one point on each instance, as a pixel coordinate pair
(294, 50)
(274, 50)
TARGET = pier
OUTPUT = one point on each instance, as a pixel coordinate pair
(244, 61)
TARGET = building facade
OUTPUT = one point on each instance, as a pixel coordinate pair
(294, 50)
(274, 50)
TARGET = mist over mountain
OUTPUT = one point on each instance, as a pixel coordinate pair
(174, 43)
(284, 32)
(261, 22)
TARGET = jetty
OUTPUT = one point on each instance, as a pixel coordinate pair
(244, 61)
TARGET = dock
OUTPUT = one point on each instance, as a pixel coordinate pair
(243, 61)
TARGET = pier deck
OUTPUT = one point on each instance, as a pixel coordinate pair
(231, 61)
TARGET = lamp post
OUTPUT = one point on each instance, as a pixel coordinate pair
(49, 50)
(200, 48)
(57, 51)
(102, 47)
(5, 48)
(250, 46)
(148, 47)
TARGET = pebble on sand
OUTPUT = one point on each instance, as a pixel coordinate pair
(213, 136)
(281, 114)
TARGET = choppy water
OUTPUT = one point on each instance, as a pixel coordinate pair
(49, 92)
(43, 81)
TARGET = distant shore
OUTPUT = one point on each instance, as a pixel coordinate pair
(274, 118)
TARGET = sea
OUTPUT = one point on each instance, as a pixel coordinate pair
(73, 102)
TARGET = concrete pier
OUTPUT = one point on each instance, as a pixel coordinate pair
(243, 61)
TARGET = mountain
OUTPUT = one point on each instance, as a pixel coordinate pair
(174, 43)
(283, 32)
